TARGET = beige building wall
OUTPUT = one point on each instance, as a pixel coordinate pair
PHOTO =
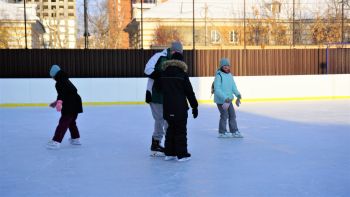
(16, 34)
(12, 26)
(60, 21)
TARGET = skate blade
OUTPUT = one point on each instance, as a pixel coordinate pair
(157, 154)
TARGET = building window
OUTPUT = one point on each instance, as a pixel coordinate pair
(70, 7)
(53, 7)
(215, 36)
(70, 14)
(53, 0)
(45, 7)
(61, 7)
(233, 37)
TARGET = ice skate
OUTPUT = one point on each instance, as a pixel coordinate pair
(237, 134)
(184, 157)
(75, 141)
(225, 135)
(156, 149)
(53, 145)
(168, 158)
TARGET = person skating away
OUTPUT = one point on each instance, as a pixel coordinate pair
(224, 89)
(69, 103)
(154, 98)
(177, 89)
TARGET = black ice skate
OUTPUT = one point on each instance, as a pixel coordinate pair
(157, 149)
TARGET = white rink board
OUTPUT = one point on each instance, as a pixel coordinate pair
(133, 89)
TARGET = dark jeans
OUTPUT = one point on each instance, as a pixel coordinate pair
(66, 121)
(176, 139)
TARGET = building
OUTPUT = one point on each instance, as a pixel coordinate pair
(12, 26)
(119, 15)
(60, 21)
(231, 24)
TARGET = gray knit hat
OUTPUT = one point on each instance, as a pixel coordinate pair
(176, 46)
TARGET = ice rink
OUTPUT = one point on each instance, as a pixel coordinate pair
(291, 148)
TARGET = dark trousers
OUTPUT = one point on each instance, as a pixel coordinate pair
(176, 139)
(66, 121)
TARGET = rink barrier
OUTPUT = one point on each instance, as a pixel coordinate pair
(131, 91)
(12, 105)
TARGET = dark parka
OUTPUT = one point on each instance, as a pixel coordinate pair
(176, 88)
(68, 94)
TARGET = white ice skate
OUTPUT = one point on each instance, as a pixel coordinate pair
(225, 135)
(237, 134)
(168, 158)
(75, 141)
(184, 159)
(53, 145)
(157, 154)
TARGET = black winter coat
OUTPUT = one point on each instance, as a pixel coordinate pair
(68, 93)
(176, 87)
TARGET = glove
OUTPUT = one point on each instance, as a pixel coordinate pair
(59, 105)
(195, 112)
(53, 104)
(239, 96)
(225, 106)
(238, 102)
(148, 96)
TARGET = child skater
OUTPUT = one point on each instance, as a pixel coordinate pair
(224, 89)
(176, 87)
(69, 104)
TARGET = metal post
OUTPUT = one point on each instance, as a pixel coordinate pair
(244, 26)
(193, 40)
(25, 24)
(86, 32)
(342, 21)
(293, 41)
(141, 24)
(193, 29)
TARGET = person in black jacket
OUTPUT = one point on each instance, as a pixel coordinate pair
(69, 104)
(176, 87)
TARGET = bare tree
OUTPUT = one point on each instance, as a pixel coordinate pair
(98, 24)
(164, 35)
(257, 29)
(4, 37)
(52, 24)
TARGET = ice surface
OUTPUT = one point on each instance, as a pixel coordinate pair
(290, 149)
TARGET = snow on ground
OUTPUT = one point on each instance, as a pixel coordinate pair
(298, 148)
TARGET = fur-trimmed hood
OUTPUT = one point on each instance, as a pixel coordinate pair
(180, 64)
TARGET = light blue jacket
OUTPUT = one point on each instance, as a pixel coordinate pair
(224, 87)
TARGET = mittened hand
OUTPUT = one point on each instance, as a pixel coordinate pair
(225, 106)
(195, 112)
(148, 96)
(53, 104)
(238, 102)
(59, 105)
